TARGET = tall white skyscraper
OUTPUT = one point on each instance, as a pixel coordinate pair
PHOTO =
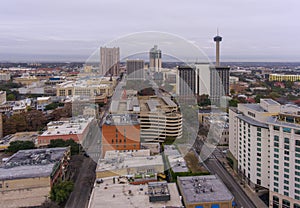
(265, 142)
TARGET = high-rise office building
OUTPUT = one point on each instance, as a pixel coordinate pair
(155, 59)
(192, 80)
(219, 77)
(109, 61)
(135, 69)
(219, 83)
(265, 142)
(186, 84)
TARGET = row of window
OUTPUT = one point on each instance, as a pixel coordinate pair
(286, 130)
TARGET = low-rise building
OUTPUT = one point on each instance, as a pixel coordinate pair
(85, 88)
(175, 159)
(136, 163)
(76, 129)
(204, 191)
(121, 132)
(27, 176)
(284, 77)
(4, 76)
(151, 195)
(42, 102)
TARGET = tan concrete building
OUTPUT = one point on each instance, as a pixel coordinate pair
(109, 61)
(26, 178)
(284, 77)
(42, 102)
(204, 192)
(153, 194)
(26, 79)
(85, 88)
(4, 76)
(2, 97)
(137, 163)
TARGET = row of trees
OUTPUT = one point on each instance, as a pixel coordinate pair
(33, 120)
(30, 121)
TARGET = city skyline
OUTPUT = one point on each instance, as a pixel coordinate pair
(49, 31)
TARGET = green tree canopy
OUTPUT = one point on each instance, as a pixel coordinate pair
(15, 146)
(65, 143)
(60, 192)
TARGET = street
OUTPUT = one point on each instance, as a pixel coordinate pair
(241, 198)
(209, 153)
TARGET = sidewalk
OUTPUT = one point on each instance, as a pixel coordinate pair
(255, 199)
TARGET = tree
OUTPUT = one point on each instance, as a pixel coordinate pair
(233, 103)
(203, 100)
(65, 143)
(11, 97)
(51, 106)
(60, 192)
(15, 146)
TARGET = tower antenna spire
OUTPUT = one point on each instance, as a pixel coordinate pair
(217, 31)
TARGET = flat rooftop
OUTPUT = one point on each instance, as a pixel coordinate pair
(108, 194)
(175, 159)
(121, 119)
(116, 160)
(252, 121)
(31, 163)
(156, 104)
(203, 189)
(73, 126)
(270, 101)
(255, 107)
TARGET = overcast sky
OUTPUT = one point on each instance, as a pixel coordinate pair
(252, 30)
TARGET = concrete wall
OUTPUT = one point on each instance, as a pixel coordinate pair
(24, 192)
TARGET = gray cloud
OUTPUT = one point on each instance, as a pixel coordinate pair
(252, 29)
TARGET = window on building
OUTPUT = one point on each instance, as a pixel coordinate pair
(286, 203)
(286, 130)
(258, 181)
(276, 128)
(286, 140)
(276, 138)
(275, 201)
